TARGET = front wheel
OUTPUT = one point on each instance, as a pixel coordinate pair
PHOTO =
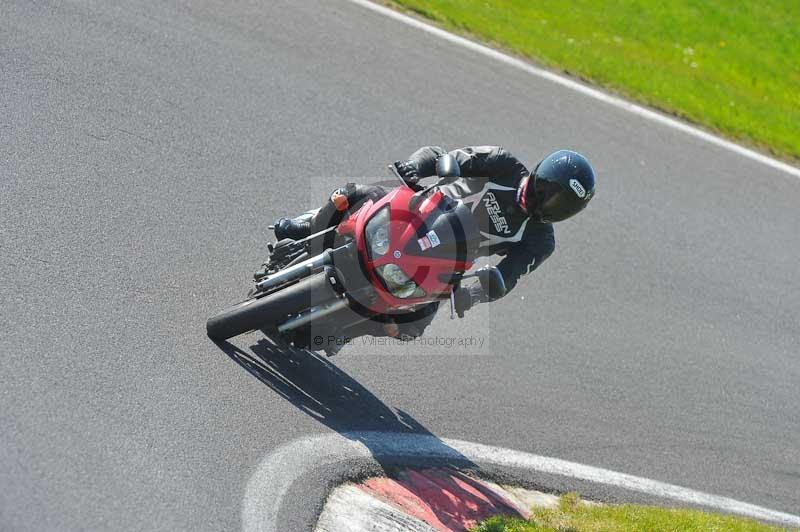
(231, 322)
(273, 309)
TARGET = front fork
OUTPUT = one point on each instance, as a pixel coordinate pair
(293, 273)
(286, 253)
(324, 262)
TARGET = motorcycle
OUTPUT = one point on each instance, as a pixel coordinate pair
(410, 248)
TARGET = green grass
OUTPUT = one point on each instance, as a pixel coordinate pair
(732, 66)
(574, 517)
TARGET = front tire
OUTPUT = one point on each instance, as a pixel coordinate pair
(231, 322)
(273, 309)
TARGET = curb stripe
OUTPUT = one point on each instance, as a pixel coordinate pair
(583, 89)
(272, 480)
(446, 499)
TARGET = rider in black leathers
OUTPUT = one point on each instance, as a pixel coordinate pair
(514, 210)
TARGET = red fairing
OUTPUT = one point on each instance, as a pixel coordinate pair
(429, 272)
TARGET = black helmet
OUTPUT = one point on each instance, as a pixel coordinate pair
(561, 185)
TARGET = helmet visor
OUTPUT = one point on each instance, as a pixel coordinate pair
(554, 203)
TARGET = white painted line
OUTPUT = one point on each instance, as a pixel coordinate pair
(270, 484)
(583, 89)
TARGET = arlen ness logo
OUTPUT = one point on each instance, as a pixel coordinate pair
(493, 209)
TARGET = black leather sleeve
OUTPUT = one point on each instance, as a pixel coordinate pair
(527, 254)
(474, 161)
(489, 161)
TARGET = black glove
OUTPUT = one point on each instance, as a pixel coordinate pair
(491, 283)
(466, 298)
(407, 170)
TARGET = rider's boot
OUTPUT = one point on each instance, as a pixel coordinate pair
(294, 229)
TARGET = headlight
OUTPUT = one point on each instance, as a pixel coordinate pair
(377, 234)
(398, 283)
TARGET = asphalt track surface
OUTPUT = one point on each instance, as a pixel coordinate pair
(143, 150)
